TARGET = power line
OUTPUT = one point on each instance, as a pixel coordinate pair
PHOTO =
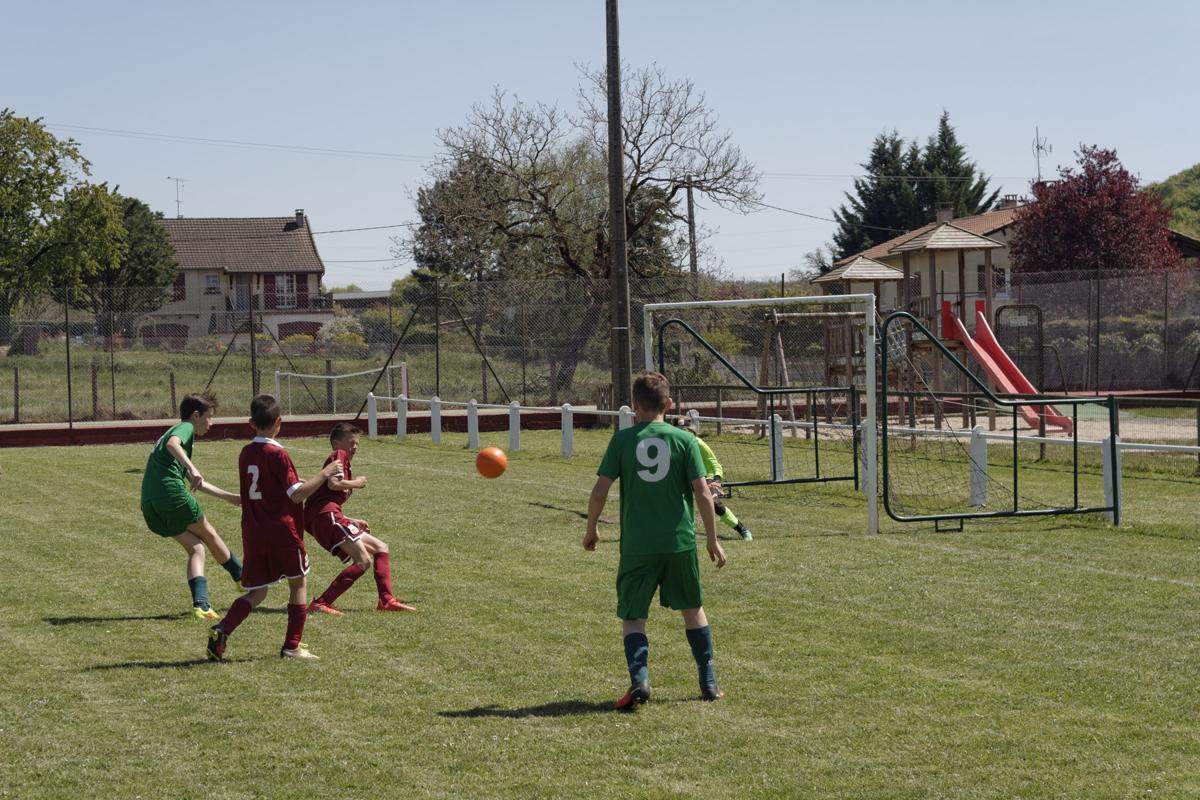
(868, 176)
(823, 219)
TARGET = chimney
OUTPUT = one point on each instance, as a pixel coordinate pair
(299, 217)
(1009, 201)
(945, 212)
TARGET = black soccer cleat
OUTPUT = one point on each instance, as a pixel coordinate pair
(744, 532)
(710, 692)
(217, 639)
(638, 693)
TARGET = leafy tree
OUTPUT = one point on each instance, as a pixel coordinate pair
(349, 287)
(1181, 194)
(1093, 218)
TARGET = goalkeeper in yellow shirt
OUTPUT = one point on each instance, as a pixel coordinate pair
(712, 473)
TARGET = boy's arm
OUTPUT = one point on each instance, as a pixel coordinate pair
(595, 507)
(175, 448)
(709, 514)
(302, 491)
(339, 484)
(220, 494)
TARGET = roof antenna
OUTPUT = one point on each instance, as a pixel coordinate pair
(178, 198)
(1040, 148)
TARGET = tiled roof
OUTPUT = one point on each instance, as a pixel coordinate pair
(982, 224)
(244, 244)
(946, 236)
(862, 269)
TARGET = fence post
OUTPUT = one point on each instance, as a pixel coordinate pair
(1112, 474)
(776, 447)
(372, 418)
(695, 417)
(402, 418)
(514, 426)
(95, 392)
(979, 467)
(435, 419)
(330, 397)
(174, 405)
(568, 430)
(278, 388)
(472, 425)
(720, 392)
(625, 418)
(17, 398)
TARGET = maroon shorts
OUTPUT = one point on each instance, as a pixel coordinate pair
(272, 556)
(331, 529)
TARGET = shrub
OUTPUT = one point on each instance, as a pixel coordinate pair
(339, 326)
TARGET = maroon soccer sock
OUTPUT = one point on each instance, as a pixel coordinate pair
(295, 628)
(341, 583)
(383, 575)
(236, 614)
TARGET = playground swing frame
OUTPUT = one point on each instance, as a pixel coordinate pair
(1013, 402)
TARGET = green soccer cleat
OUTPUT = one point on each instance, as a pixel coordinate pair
(638, 694)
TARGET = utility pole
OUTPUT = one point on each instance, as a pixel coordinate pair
(178, 195)
(622, 372)
(691, 212)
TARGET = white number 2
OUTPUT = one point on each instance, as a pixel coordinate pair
(658, 463)
(254, 493)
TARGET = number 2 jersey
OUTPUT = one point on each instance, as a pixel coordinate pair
(656, 464)
(268, 479)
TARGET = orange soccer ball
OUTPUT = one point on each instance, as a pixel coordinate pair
(491, 462)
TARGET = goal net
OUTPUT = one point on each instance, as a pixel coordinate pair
(782, 388)
(344, 393)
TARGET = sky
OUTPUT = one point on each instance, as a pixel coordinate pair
(802, 87)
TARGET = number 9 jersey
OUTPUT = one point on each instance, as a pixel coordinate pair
(656, 464)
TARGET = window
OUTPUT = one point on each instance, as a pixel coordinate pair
(179, 289)
(285, 291)
(212, 284)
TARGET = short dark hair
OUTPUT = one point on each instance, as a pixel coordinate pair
(651, 391)
(264, 410)
(193, 403)
(342, 431)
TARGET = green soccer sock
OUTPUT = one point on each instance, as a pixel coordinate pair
(234, 567)
(729, 519)
(702, 650)
(637, 656)
(199, 587)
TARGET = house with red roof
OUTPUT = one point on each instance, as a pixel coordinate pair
(232, 269)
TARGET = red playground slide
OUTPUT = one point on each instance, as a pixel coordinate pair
(984, 348)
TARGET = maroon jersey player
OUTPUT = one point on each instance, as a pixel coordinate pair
(272, 528)
(348, 539)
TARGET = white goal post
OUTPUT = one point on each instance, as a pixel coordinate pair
(857, 310)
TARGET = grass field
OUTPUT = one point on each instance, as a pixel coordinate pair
(1055, 657)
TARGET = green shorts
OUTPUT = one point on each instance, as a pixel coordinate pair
(171, 515)
(676, 576)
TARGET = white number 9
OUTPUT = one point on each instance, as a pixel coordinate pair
(658, 463)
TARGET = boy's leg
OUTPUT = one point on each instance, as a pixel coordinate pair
(724, 513)
(359, 558)
(637, 579)
(205, 532)
(382, 561)
(297, 611)
(197, 583)
(699, 636)
(236, 615)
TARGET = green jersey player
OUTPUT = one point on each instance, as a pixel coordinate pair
(169, 508)
(662, 475)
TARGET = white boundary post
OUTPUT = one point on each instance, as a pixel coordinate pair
(979, 467)
(404, 378)
(694, 415)
(568, 430)
(514, 426)
(1113, 494)
(776, 448)
(435, 419)
(278, 387)
(372, 417)
(625, 418)
(402, 418)
(472, 425)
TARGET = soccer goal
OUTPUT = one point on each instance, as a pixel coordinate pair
(784, 388)
(301, 393)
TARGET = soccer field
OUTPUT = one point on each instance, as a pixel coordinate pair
(1048, 657)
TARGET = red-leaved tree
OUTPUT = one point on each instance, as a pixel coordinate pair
(1094, 218)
